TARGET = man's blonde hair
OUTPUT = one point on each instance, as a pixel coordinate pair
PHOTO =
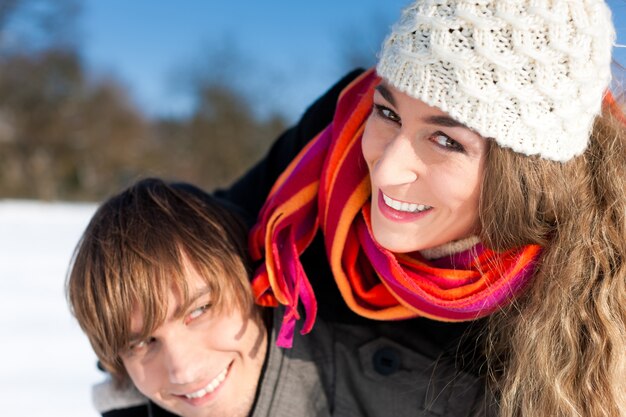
(132, 255)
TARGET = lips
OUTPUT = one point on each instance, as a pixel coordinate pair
(203, 394)
(401, 211)
(404, 206)
(211, 386)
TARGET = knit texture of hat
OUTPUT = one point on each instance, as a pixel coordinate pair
(529, 74)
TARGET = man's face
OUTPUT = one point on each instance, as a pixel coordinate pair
(200, 363)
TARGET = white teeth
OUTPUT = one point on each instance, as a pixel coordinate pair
(400, 206)
(212, 386)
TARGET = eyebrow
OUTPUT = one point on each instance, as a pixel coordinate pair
(387, 95)
(180, 310)
(445, 121)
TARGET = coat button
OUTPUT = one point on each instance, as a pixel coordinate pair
(386, 360)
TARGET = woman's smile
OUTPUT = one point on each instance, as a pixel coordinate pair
(403, 205)
(399, 211)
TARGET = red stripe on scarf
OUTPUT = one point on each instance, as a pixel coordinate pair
(613, 107)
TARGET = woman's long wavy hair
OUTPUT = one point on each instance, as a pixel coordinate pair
(560, 349)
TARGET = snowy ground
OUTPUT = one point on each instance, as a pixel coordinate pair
(46, 363)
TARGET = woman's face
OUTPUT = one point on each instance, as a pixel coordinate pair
(426, 173)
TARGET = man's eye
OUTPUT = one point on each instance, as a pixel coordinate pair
(140, 345)
(198, 312)
(447, 142)
(387, 113)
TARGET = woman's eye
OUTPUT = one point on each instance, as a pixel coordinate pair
(447, 142)
(387, 113)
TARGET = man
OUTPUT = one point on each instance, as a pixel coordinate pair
(159, 283)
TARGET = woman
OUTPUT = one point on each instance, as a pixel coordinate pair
(473, 183)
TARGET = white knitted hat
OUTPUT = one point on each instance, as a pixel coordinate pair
(529, 74)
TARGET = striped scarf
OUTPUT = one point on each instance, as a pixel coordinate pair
(327, 187)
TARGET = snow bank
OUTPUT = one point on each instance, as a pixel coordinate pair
(46, 364)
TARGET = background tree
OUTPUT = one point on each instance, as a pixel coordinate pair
(61, 135)
(65, 134)
(224, 134)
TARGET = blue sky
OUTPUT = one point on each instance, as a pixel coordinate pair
(291, 49)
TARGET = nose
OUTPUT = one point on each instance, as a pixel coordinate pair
(180, 361)
(398, 163)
